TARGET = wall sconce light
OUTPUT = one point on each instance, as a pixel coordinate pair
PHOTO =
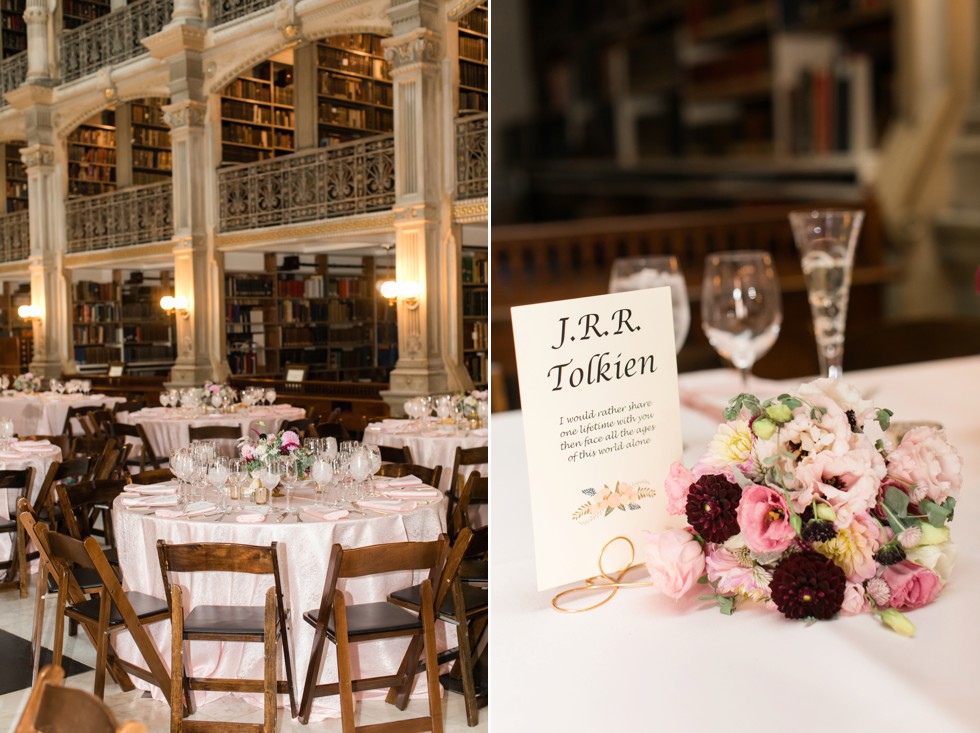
(29, 312)
(407, 291)
(174, 304)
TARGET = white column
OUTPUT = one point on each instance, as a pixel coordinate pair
(37, 17)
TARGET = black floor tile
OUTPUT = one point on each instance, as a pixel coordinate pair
(15, 671)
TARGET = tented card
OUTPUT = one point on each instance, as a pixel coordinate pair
(598, 380)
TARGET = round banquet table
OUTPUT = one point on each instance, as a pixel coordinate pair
(24, 454)
(304, 551)
(44, 413)
(167, 427)
(429, 448)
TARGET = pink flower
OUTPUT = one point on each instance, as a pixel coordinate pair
(248, 452)
(215, 389)
(675, 561)
(290, 440)
(763, 517)
(677, 484)
(925, 459)
(912, 586)
(734, 576)
(855, 601)
(849, 482)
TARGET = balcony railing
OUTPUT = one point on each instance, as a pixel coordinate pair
(226, 10)
(13, 72)
(342, 180)
(113, 38)
(471, 157)
(123, 218)
(15, 236)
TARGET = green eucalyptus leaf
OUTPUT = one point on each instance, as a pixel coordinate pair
(726, 605)
(897, 501)
(936, 515)
(884, 417)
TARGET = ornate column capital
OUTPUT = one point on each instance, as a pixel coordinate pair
(175, 38)
(38, 156)
(185, 114)
(411, 50)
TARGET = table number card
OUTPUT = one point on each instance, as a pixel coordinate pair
(598, 380)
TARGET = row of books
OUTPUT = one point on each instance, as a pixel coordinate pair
(473, 75)
(348, 287)
(95, 312)
(475, 302)
(243, 314)
(160, 159)
(82, 154)
(476, 338)
(89, 188)
(148, 332)
(339, 311)
(248, 287)
(87, 9)
(358, 356)
(91, 172)
(13, 22)
(148, 115)
(473, 49)
(147, 352)
(304, 335)
(475, 20)
(143, 178)
(830, 108)
(474, 267)
(92, 290)
(142, 310)
(94, 136)
(331, 113)
(290, 311)
(84, 335)
(338, 60)
(470, 101)
(96, 354)
(17, 189)
(476, 365)
(14, 168)
(261, 136)
(310, 287)
(366, 42)
(152, 137)
(256, 91)
(359, 90)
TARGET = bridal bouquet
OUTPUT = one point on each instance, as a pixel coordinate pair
(27, 383)
(795, 505)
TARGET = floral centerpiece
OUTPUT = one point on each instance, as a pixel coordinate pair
(258, 451)
(227, 394)
(795, 505)
(27, 383)
(468, 402)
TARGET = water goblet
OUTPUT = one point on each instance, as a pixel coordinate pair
(322, 473)
(360, 466)
(328, 447)
(218, 473)
(7, 431)
(741, 311)
(826, 241)
(288, 475)
(4, 381)
(640, 273)
(270, 396)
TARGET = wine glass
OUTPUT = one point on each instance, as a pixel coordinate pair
(7, 431)
(268, 474)
(322, 473)
(288, 475)
(741, 311)
(640, 273)
(826, 241)
(270, 396)
(360, 465)
(218, 474)
(237, 479)
(374, 453)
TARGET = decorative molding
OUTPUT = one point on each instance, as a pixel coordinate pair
(472, 156)
(471, 211)
(25, 95)
(420, 47)
(15, 236)
(37, 156)
(363, 224)
(185, 114)
(461, 8)
(174, 39)
(135, 215)
(134, 254)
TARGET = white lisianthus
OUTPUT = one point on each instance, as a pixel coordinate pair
(938, 558)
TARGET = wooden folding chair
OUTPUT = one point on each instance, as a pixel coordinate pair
(53, 708)
(332, 430)
(100, 423)
(81, 414)
(390, 454)
(112, 611)
(430, 476)
(130, 405)
(153, 476)
(142, 455)
(79, 502)
(16, 567)
(463, 457)
(267, 625)
(345, 624)
(71, 471)
(227, 435)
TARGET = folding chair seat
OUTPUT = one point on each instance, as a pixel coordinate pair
(53, 708)
(430, 476)
(344, 624)
(464, 457)
(266, 624)
(226, 435)
(112, 610)
(16, 566)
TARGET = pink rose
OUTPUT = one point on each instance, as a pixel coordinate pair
(925, 459)
(290, 440)
(248, 452)
(855, 601)
(677, 484)
(764, 519)
(912, 586)
(675, 561)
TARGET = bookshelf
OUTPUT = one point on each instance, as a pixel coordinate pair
(474, 54)
(354, 92)
(92, 156)
(78, 12)
(258, 119)
(318, 311)
(14, 178)
(152, 157)
(16, 334)
(120, 320)
(474, 270)
(13, 27)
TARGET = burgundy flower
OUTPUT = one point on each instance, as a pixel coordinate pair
(808, 585)
(712, 506)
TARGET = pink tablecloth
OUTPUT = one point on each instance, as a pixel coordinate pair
(429, 448)
(304, 548)
(44, 413)
(23, 455)
(167, 427)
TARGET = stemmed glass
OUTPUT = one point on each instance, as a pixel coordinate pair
(218, 473)
(360, 465)
(741, 311)
(374, 453)
(270, 396)
(268, 474)
(826, 241)
(7, 431)
(640, 273)
(238, 479)
(181, 465)
(322, 473)
(288, 475)
(4, 381)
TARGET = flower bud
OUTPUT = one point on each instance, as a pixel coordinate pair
(764, 428)
(897, 622)
(933, 535)
(825, 512)
(779, 413)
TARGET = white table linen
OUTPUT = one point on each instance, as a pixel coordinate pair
(24, 454)
(167, 428)
(429, 448)
(304, 548)
(43, 413)
(645, 661)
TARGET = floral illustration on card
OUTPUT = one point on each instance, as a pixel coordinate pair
(624, 496)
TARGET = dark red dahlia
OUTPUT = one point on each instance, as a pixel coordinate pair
(808, 585)
(712, 505)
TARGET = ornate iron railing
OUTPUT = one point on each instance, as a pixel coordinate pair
(120, 219)
(15, 236)
(13, 72)
(223, 11)
(113, 38)
(471, 157)
(342, 180)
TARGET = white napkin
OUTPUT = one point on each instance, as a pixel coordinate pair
(151, 489)
(137, 500)
(192, 510)
(32, 448)
(397, 483)
(419, 493)
(250, 518)
(384, 505)
(328, 515)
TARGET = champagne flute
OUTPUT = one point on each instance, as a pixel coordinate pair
(741, 311)
(826, 241)
(640, 273)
